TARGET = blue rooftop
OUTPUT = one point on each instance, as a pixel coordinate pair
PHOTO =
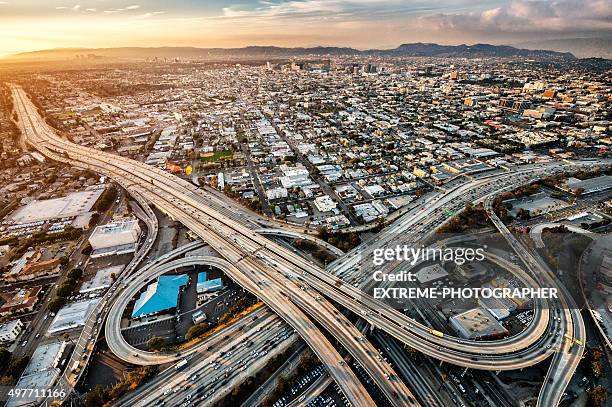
(211, 285)
(159, 296)
(201, 277)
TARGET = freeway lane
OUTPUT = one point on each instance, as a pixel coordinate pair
(243, 353)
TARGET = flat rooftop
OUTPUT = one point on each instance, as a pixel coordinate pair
(102, 279)
(591, 185)
(431, 273)
(72, 316)
(71, 205)
(41, 373)
(477, 323)
(160, 295)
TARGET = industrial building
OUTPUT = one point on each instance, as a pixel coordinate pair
(430, 273)
(589, 186)
(41, 374)
(160, 296)
(69, 206)
(115, 238)
(72, 316)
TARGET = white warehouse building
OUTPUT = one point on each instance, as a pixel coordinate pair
(10, 330)
(115, 238)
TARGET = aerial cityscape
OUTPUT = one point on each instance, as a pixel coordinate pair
(323, 203)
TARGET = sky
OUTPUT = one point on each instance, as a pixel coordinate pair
(27, 25)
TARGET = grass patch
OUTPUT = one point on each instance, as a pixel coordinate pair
(216, 156)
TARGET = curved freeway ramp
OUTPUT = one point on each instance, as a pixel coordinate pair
(536, 232)
(303, 236)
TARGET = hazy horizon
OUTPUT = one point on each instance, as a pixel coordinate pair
(29, 25)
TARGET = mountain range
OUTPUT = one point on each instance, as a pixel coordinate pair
(600, 47)
(409, 50)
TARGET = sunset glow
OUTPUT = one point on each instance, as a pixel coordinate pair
(33, 25)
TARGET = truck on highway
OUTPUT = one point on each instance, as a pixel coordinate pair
(180, 364)
(437, 333)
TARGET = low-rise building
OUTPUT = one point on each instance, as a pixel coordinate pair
(477, 323)
(115, 238)
(24, 300)
(325, 203)
(9, 331)
(160, 296)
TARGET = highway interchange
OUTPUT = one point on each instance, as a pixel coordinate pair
(298, 291)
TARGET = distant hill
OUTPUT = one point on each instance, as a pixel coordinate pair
(414, 49)
(475, 51)
(581, 47)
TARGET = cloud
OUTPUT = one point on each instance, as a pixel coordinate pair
(328, 9)
(524, 16)
(149, 14)
(119, 10)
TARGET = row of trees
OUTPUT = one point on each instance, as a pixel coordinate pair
(197, 330)
(472, 217)
(65, 289)
(242, 391)
(343, 241)
(106, 199)
(319, 253)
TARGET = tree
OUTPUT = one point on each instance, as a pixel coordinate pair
(523, 214)
(17, 365)
(56, 304)
(87, 249)
(94, 219)
(598, 396)
(594, 367)
(5, 356)
(96, 397)
(64, 290)
(75, 274)
(7, 380)
(64, 260)
(196, 330)
(155, 343)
